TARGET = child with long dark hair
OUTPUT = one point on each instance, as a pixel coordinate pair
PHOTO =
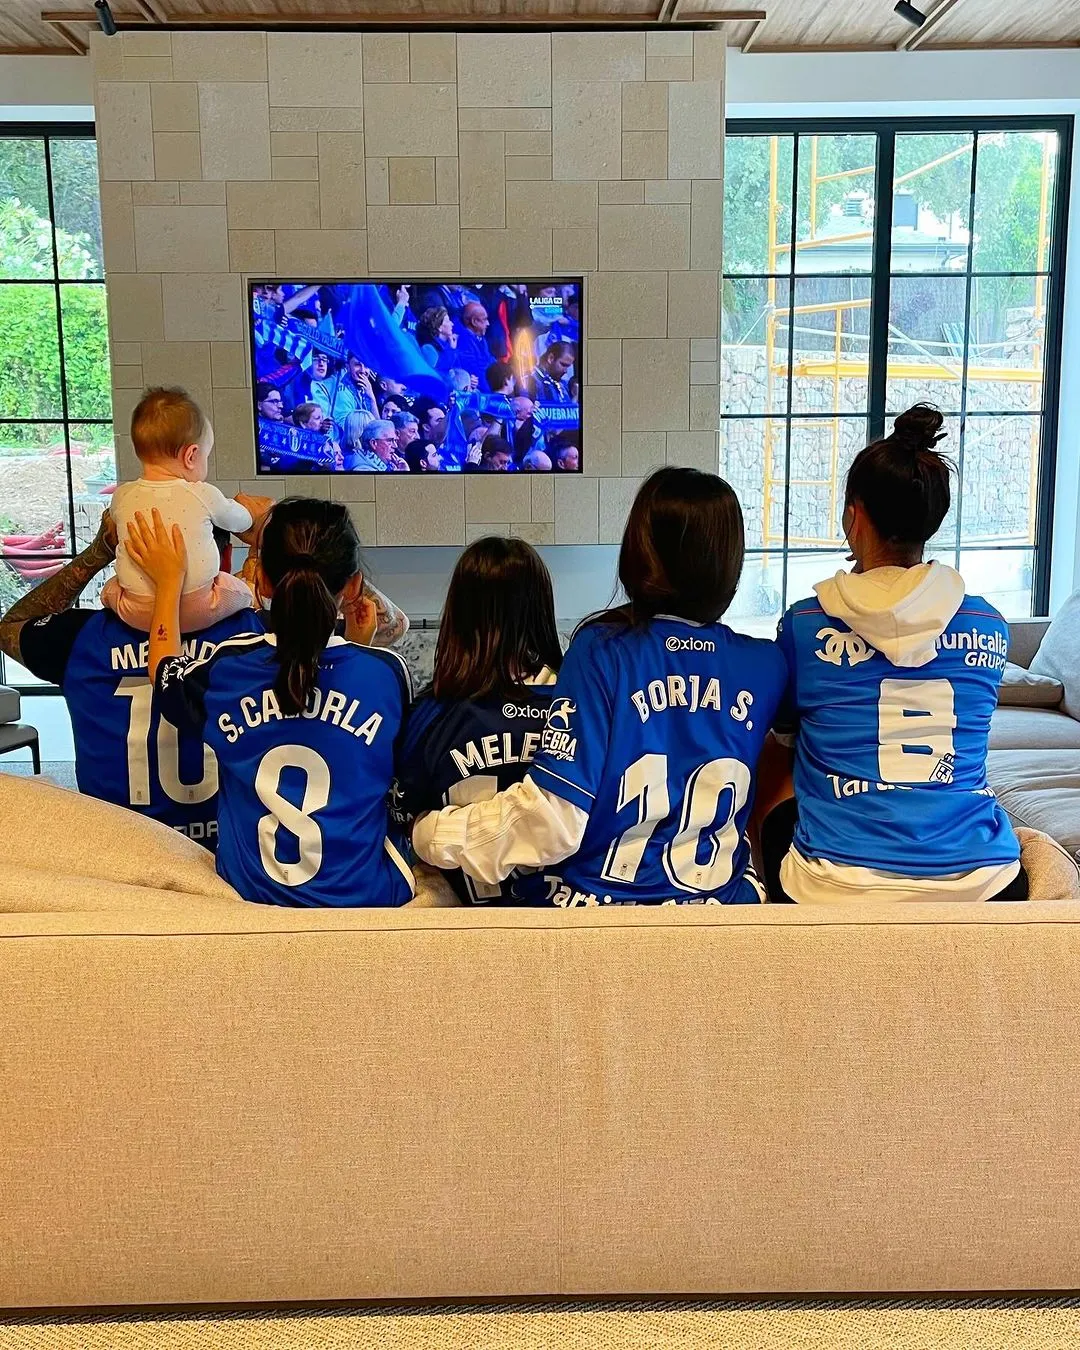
(643, 785)
(478, 728)
(302, 722)
(894, 677)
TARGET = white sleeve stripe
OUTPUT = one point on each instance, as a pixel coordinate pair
(543, 768)
(400, 863)
(240, 642)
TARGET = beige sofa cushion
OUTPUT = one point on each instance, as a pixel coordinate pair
(1033, 729)
(63, 852)
(1022, 688)
(1059, 653)
(52, 838)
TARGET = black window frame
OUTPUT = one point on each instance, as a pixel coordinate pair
(48, 132)
(886, 129)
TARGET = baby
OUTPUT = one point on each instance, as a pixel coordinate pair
(173, 440)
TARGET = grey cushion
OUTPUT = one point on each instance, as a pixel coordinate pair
(15, 735)
(1024, 638)
(10, 704)
(1059, 653)
(1040, 789)
(1022, 688)
(1033, 729)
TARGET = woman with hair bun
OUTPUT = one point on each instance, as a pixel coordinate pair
(894, 674)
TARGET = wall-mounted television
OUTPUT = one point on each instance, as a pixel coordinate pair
(417, 376)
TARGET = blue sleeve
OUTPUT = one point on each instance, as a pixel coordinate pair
(786, 722)
(414, 788)
(575, 743)
(180, 692)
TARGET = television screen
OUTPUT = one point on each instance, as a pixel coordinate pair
(407, 376)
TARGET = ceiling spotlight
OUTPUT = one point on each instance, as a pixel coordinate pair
(914, 16)
(105, 19)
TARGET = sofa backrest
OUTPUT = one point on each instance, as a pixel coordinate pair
(286, 1105)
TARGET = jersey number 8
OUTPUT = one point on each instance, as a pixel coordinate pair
(646, 782)
(284, 813)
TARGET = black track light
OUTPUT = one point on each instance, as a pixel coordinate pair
(105, 19)
(914, 16)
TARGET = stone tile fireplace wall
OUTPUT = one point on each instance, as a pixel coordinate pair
(229, 155)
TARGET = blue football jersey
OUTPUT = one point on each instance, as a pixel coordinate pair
(890, 762)
(655, 733)
(125, 751)
(457, 753)
(303, 808)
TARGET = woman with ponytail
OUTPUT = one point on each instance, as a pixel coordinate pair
(643, 784)
(302, 722)
(894, 676)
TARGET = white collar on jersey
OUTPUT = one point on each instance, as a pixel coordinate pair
(335, 641)
(676, 618)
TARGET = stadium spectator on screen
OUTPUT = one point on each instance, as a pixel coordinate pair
(351, 444)
(525, 433)
(536, 462)
(496, 456)
(319, 383)
(422, 457)
(473, 353)
(408, 430)
(387, 387)
(566, 454)
(355, 392)
(437, 337)
(270, 403)
(500, 378)
(378, 451)
(432, 418)
(308, 416)
(549, 382)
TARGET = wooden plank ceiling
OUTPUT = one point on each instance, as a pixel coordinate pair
(788, 25)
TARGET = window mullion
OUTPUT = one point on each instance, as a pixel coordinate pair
(880, 284)
(966, 350)
(60, 344)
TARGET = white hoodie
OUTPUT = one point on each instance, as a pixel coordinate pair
(901, 612)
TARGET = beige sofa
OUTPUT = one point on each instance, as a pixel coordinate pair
(210, 1101)
(1034, 763)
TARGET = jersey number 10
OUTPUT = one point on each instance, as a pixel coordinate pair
(646, 783)
(141, 693)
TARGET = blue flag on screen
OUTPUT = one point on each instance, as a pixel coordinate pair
(372, 334)
(455, 442)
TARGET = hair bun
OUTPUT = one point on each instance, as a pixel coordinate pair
(920, 428)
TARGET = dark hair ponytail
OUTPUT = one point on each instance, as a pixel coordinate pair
(682, 549)
(309, 551)
(902, 481)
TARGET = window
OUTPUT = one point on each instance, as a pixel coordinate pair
(869, 266)
(56, 440)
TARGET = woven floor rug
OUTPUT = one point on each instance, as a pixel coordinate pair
(880, 1324)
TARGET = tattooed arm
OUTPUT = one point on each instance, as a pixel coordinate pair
(61, 591)
(393, 623)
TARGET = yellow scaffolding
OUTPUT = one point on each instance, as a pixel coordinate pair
(847, 366)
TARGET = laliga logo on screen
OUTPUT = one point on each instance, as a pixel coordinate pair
(678, 644)
(516, 710)
(837, 645)
(560, 714)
